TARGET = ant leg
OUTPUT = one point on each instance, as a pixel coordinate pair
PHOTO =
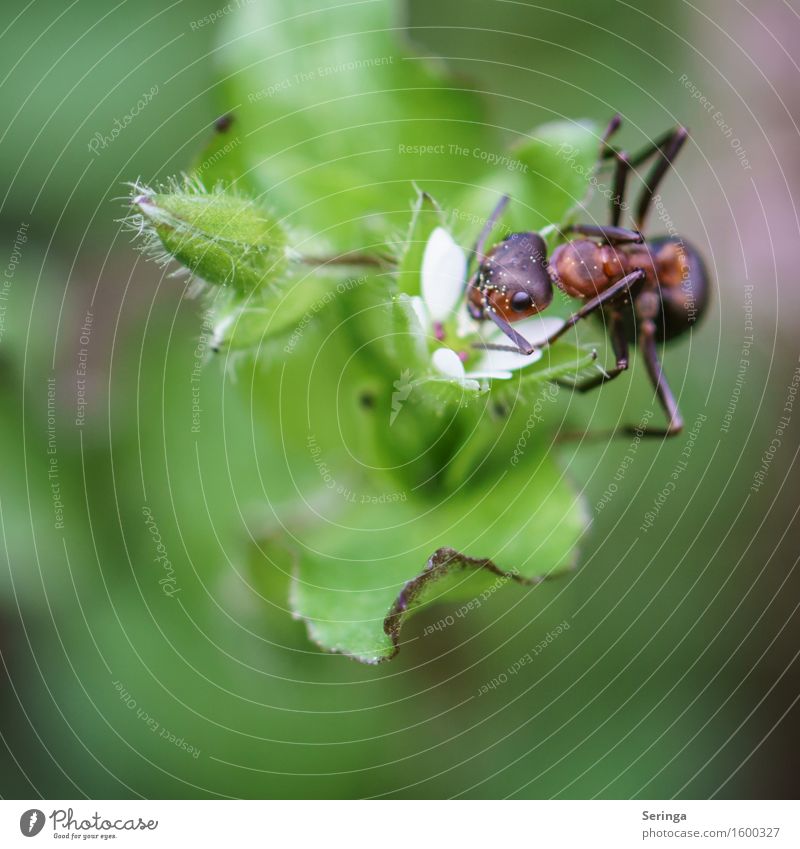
(606, 149)
(613, 125)
(487, 228)
(523, 346)
(618, 189)
(656, 373)
(665, 396)
(655, 146)
(622, 285)
(621, 172)
(619, 343)
(668, 145)
(609, 151)
(669, 150)
(612, 235)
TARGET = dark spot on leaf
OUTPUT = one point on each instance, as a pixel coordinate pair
(500, 410)
(224, 123)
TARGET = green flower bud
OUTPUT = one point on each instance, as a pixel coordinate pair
(224, 239)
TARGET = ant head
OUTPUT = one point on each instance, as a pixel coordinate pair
(514, 280)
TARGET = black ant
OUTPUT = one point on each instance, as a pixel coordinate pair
(664, 279)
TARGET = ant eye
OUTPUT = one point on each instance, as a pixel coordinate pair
(521, 301)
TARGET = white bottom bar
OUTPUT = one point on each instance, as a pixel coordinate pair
(390, 824)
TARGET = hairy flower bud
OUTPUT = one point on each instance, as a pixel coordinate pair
(224, 239)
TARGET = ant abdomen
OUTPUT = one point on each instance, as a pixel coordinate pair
(673, 293)
(683, 285)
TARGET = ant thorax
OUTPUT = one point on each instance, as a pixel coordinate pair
(583, 268)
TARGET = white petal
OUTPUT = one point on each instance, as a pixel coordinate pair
(444, 274)
(503, 361)
(466, 324)
(418, 305)
(535, 329)
(447, 361)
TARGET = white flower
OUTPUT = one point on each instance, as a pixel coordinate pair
(444, 270)
(443, 286)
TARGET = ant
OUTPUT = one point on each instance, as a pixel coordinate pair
(646, 291)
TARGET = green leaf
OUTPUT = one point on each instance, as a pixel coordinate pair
(338, 116)
(379, 558)
(549, 175)
(558, 161)
(406, 498)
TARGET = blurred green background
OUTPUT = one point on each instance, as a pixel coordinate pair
(678, 675)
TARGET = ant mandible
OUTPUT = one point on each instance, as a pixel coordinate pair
(645, 291)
